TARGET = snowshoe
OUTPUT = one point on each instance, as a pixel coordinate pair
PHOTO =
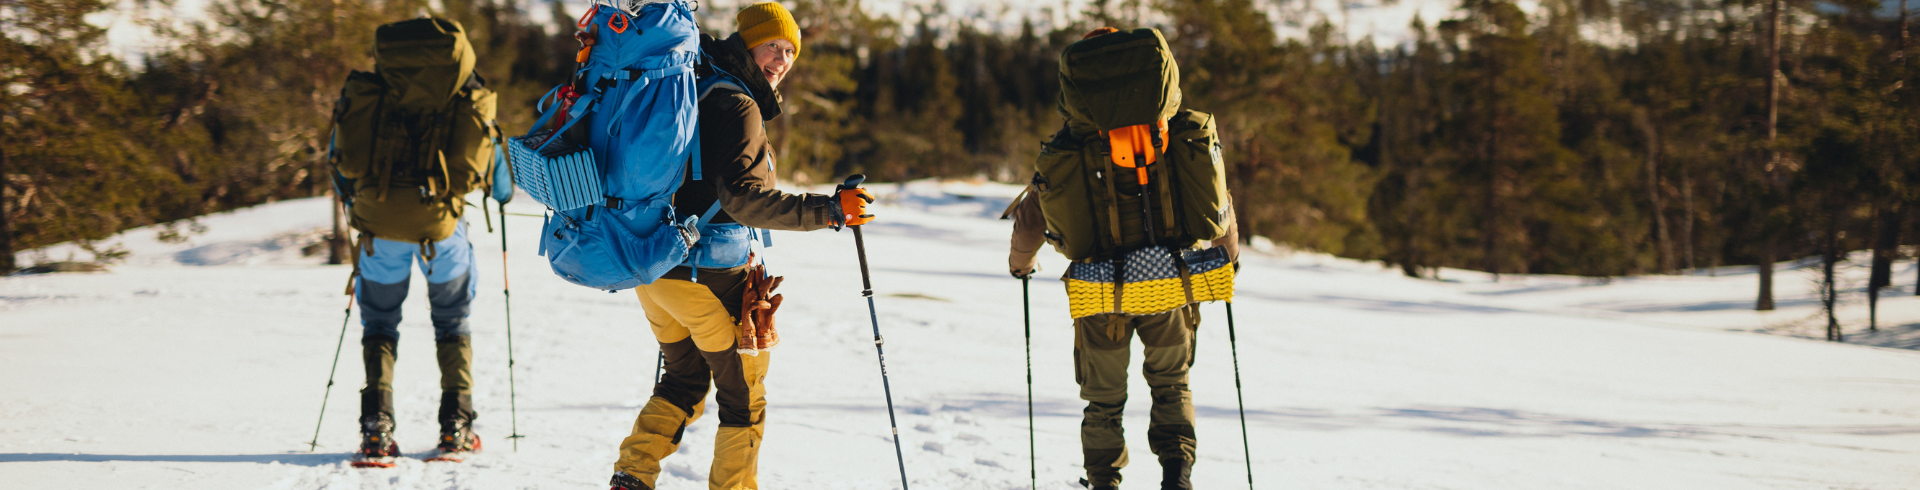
(623, 481)
(1086, 484)
(377, 449)
(454, 445)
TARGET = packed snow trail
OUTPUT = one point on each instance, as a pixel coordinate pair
(202, 364)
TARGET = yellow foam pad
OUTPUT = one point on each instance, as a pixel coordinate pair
(1087, 298)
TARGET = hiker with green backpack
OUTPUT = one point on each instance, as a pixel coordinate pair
(1132, 190)
(411, 139)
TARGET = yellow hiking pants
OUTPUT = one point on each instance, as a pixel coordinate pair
(694, 323)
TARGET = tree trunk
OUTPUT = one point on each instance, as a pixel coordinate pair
(6, 229)
(1828, 292)
(1686, 224)
(1886, 249)
(338, 245)
(1765, 303)
(1411, 246)
(1490, 241)
(1873, 309)
(1415, 254)
(1661, 237)
(1901, 150)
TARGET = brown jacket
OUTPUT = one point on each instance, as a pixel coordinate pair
(1030, 226)
(737, 161)
(737, 167)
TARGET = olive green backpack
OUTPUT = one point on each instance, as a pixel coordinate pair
(1120, 93)
(416, 135)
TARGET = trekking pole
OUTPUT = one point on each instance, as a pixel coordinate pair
(1238, 395)
(866, 282)
(311, 446)
(506, 293)
(659, 363)
(1033, 455)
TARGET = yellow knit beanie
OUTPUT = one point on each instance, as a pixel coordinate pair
(767, 21)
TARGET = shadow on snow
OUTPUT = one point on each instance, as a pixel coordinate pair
(300, 459)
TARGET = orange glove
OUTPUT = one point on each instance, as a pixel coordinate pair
(853, 206)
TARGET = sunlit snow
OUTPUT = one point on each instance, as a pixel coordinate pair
(202, 365)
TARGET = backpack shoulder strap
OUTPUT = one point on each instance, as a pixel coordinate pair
(707, 217)
(707, 87)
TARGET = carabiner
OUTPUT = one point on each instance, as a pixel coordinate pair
(585, 19)
(620, 17)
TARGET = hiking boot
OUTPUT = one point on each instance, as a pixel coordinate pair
(459, 439)
(624, 481)
(1175, 474)
(377, 447)
(1105, 486)
(456, 423)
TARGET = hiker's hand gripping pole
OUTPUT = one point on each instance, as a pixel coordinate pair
(866, 284)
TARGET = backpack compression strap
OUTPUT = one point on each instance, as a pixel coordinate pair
(1135, 147)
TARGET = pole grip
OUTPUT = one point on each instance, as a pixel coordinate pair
(853, 182)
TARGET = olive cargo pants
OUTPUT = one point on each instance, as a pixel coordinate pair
(694, 323)
(1100, 351)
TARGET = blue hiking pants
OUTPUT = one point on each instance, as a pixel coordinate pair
(383, 281)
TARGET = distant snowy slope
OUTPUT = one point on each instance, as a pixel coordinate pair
(1385, 21)
(261, 235)
(189, 370)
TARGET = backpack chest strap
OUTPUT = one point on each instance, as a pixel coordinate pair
(632, 74)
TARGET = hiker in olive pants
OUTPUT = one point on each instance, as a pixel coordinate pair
(1132, 191)
(1100, 350)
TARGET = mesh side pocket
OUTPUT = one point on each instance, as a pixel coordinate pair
(562, 182)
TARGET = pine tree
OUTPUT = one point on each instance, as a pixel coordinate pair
(75, 169)
(1507, 135)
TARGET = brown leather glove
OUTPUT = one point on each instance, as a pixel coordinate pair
(757, 306)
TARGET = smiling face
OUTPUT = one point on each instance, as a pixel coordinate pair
(774, 58)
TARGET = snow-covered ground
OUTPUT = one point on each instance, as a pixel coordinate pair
(202, 365)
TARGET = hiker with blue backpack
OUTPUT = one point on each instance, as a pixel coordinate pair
(654, 164)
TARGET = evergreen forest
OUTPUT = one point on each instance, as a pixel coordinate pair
(1587, 137)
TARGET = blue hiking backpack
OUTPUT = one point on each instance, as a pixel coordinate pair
(610, 186)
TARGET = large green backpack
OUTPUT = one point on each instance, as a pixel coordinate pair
(415, 135)
(1120, 93)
